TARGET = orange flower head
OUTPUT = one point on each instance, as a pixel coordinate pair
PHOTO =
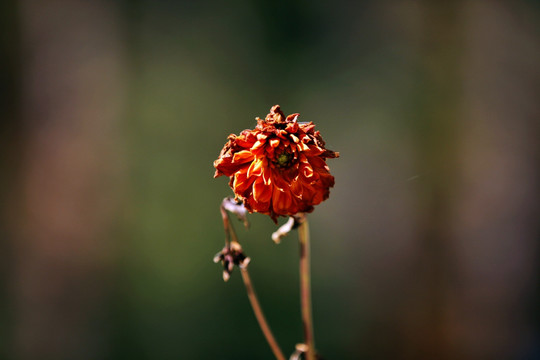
(279, 168)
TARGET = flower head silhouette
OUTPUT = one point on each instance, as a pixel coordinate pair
(279, 168)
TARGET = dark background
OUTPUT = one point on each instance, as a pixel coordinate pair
(113, 112)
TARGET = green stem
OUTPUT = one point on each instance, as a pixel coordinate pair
(305, 288)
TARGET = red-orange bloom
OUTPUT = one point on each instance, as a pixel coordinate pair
(279, 168)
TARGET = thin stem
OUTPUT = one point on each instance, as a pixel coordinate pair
(260, 316)
(230, 237)
(305, 288)
(229, 230)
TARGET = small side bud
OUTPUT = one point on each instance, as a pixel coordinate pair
(237, 208)
(231, 255)
(301, 349)
(286, 228)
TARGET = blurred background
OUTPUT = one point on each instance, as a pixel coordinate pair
(113, 112)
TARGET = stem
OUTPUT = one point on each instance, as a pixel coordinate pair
(305, 288)
(230, 237)
(260, 316)
(229, 230)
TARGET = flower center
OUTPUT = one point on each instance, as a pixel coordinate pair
(283, 159)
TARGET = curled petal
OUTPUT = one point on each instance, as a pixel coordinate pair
(256, 168)
(307, 171)
(261, 192)
(242, 157)
(258, 144)
(242, 183)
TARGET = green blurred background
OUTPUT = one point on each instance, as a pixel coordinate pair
(113, 112)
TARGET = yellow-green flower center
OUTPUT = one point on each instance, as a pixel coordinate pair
(283, 159)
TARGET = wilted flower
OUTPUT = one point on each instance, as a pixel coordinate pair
(279, 168)
(232, 254)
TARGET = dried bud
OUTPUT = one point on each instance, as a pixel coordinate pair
(300, 351)
(237, 208)
(232, 254)
(286, 228)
